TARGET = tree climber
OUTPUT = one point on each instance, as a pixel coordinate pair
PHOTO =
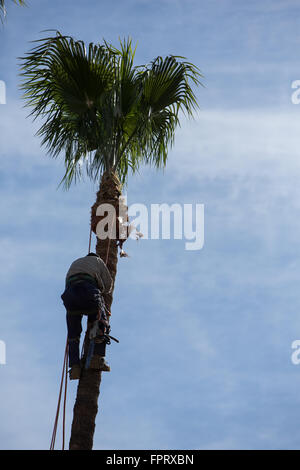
(86, 280)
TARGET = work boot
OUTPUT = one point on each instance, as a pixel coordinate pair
(75, 372)
(99, 363)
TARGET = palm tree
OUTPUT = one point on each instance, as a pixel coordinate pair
(104, 115)
(3, 9)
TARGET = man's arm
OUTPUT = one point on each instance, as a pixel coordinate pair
(105, 276)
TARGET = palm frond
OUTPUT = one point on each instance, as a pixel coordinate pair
(65, 85)
(166, 90)
(167, 83)
(3, 9)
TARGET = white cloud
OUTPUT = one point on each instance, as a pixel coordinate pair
(222, 143)
(17, 135)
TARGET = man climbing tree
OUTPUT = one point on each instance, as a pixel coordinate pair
(104, 114)
(87, 279)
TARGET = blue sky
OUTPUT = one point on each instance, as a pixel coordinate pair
(204, 359)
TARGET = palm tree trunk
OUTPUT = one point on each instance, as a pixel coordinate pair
(86, 404)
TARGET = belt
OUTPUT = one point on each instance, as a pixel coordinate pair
(79, 278)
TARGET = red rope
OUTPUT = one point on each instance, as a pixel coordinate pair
(64, 375)
(65, 400)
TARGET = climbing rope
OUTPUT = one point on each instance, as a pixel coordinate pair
(90, 240)
(63, 376)
(65, 399)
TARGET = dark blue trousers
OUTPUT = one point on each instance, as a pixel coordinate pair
(82, 298)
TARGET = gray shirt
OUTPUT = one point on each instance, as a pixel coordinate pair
(95, 267)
